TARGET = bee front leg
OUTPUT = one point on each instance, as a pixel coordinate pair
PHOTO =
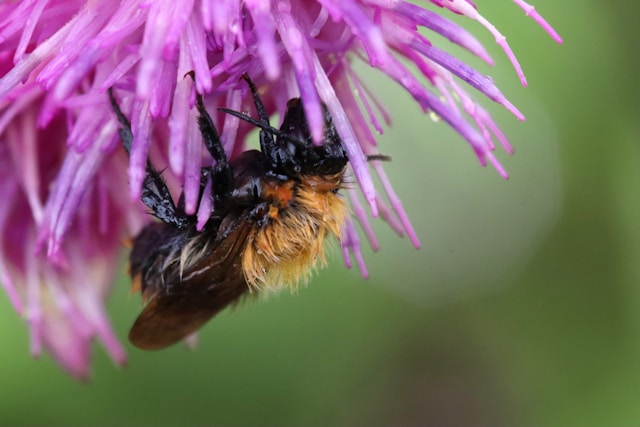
(221, 173)
(267, 142)
(155, 194)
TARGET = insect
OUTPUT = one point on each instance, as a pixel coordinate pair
(273, 210)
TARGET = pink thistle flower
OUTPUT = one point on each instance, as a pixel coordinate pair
(64, 173)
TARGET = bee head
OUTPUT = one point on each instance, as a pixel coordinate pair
(294, 152)
(290, 150)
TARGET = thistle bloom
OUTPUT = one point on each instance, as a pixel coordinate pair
(63, 175)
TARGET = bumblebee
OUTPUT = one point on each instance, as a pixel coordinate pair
(273, 210)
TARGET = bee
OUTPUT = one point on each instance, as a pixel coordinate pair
(273, 209)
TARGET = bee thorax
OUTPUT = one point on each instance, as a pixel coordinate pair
(290, 244)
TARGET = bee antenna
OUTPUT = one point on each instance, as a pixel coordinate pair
(380, 157)
(264, 126)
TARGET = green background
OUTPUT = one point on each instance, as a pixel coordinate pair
(521, 308)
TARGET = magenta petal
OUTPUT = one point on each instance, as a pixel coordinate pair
(483, 84)
(303, 63)
(193, 155)
(141, 125)
(445, 28)
(265, 36)
(179, 126)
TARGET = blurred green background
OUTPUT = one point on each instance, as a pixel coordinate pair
(521, 308)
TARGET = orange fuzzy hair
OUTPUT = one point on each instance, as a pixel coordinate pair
(290, 245)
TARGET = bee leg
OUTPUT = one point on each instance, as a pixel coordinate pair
(267, 143)
(221, 173)
(126, 136)
(155, 194)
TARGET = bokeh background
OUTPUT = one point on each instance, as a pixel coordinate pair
(521, 308)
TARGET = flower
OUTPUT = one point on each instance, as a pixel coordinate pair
(63, 172)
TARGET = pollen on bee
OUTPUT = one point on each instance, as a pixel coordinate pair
(273, 212)
(136, 283)
(279, 193)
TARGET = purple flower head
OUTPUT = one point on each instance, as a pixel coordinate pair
(72, 195)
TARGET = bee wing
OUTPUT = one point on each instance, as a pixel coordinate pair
(207, 288)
